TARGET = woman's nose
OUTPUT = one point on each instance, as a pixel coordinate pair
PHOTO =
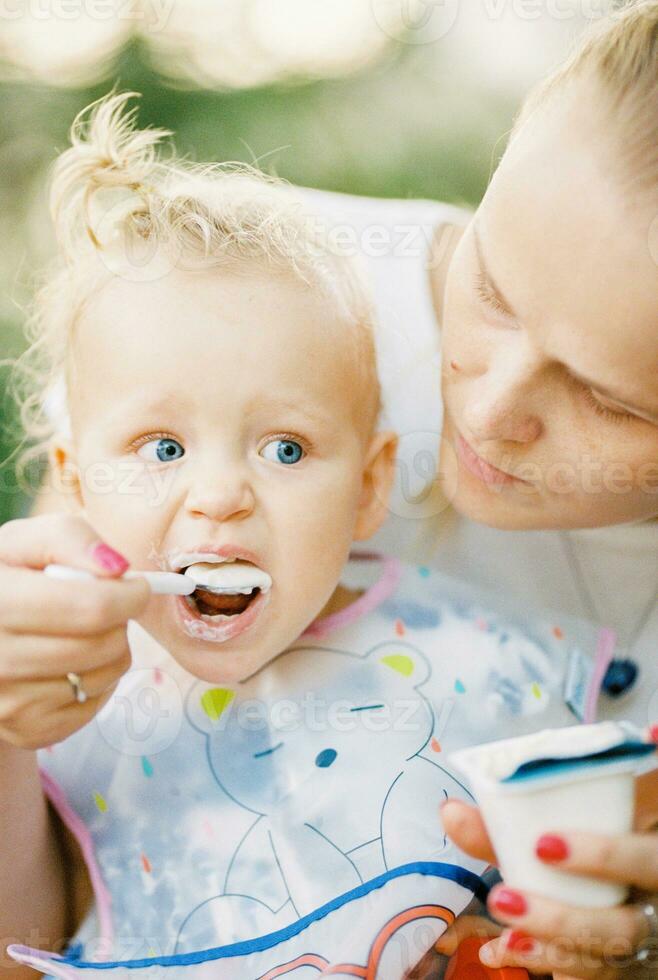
(221, 496)
(503, 405)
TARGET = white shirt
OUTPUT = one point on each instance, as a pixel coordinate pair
(607, 576)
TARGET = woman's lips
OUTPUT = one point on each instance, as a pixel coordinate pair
(479, 467)
(202, 628)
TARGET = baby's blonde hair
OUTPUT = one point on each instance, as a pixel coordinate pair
(621, 53)
(120, 208)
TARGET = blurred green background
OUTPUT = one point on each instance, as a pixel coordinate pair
(391, 98)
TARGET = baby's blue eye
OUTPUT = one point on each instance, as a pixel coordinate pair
(165, 450)
(283, 451)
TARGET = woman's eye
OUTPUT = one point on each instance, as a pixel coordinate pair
(605, 411)
(165, 450)
(487, 295)
(283, 451)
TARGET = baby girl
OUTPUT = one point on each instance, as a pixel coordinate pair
(252, 789)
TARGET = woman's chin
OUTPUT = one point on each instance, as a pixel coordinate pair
(501, 509)
(509, 511)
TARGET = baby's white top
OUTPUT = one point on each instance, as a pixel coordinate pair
(608, 574)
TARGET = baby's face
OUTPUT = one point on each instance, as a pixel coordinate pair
(215, 412)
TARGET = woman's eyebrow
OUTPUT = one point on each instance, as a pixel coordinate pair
(485, 270)
(647, 413)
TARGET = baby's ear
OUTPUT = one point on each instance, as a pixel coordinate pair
(64, 472)
(378, 475)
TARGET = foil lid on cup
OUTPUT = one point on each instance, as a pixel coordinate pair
(555, 752)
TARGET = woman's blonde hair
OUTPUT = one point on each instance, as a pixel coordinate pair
(121, 208)
(620, 52)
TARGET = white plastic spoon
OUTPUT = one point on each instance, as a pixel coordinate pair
(162, 583)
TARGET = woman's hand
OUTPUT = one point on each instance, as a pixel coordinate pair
(550, 937)
(50, 627)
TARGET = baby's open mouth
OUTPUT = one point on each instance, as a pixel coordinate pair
(225, 589)
(220, 604)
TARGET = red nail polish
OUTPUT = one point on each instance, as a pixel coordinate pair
(552, 848)
(509, 902)
(653, 733)
(109, 559)
(520, 942)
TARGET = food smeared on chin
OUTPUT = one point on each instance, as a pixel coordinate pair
(226, 588)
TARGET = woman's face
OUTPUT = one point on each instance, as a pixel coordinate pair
(550, 334)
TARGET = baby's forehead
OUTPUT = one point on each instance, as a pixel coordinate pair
(184, 308)
(255, 333)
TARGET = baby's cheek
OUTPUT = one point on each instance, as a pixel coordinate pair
(126, 485)
(312, 549)
(321, 512)
(128, 525)
(646, 471)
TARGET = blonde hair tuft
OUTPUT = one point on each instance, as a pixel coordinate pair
(119, 207)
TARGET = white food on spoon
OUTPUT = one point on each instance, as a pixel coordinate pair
(230, 577)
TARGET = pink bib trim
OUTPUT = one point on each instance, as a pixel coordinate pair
(77, 827)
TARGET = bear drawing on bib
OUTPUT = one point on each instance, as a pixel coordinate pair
(331, 753)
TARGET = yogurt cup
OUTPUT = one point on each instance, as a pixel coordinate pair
(575, 778)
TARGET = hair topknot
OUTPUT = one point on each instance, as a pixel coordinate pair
(113, 184)
(120, 208)
(106, 151)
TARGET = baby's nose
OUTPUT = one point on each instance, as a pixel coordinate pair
(221, 497)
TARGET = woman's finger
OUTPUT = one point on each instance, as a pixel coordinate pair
(630, 859)
(73, 716)
(463, 928)
(37, 714)
(465, 826)
(587, 930)
(516, 948)
(646, 802)
(67, 539)
(40, 657)
(30, 602)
